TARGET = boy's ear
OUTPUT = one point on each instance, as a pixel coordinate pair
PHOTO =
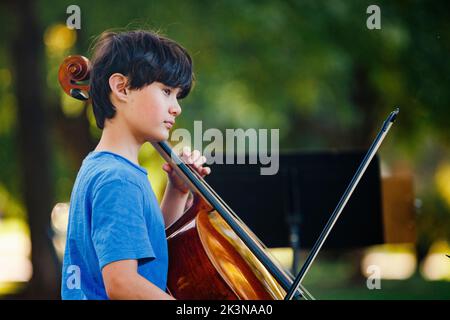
(119, 86)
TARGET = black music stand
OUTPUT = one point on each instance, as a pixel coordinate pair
(291, 208)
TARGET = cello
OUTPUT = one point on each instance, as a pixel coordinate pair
(212, 253)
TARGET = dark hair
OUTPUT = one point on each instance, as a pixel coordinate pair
(142, 56)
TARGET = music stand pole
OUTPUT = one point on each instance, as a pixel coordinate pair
(346, 196)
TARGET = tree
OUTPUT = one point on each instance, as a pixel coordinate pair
(35, 148)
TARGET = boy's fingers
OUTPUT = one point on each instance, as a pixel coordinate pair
(191, 158)
(186, 155)
(200, 161)
(167, 167)
(195, 159)
(186, 152)
(196, 155)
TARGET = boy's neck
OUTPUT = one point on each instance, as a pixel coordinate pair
(118, 140)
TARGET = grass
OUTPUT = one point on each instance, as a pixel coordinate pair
(339, 281)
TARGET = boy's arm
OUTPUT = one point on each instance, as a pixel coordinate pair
(122, 281)
(173, 204)
(174, 201)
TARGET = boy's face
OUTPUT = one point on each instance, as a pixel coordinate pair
(151, 111)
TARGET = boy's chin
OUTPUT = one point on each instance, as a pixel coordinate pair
(161, 137)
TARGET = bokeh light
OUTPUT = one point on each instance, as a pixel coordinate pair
(58, 38)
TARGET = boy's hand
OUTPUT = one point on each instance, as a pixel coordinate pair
(195, 160)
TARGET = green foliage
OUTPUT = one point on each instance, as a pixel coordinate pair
(310, 68)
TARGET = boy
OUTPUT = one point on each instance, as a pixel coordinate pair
(116, 242)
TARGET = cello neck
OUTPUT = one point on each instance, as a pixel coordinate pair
(209, 195)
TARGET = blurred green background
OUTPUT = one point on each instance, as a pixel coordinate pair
(311, 68)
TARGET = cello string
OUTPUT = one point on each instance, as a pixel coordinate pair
(250, 232)
(244, 225)
(231, 212)
(268, 255)
(226, 210)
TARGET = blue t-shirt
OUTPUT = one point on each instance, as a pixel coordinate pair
(114, 215)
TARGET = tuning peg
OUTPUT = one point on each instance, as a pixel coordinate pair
(78, 94)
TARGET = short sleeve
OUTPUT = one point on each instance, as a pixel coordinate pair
(118, 227)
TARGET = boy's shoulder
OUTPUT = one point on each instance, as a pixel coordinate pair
(101, 168)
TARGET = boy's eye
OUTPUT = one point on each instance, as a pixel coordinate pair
(167, 91)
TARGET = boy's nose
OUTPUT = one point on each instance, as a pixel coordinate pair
(175, 109)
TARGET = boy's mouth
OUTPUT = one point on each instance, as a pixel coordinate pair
(169, 124)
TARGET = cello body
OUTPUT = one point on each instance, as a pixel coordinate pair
(207, 260)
